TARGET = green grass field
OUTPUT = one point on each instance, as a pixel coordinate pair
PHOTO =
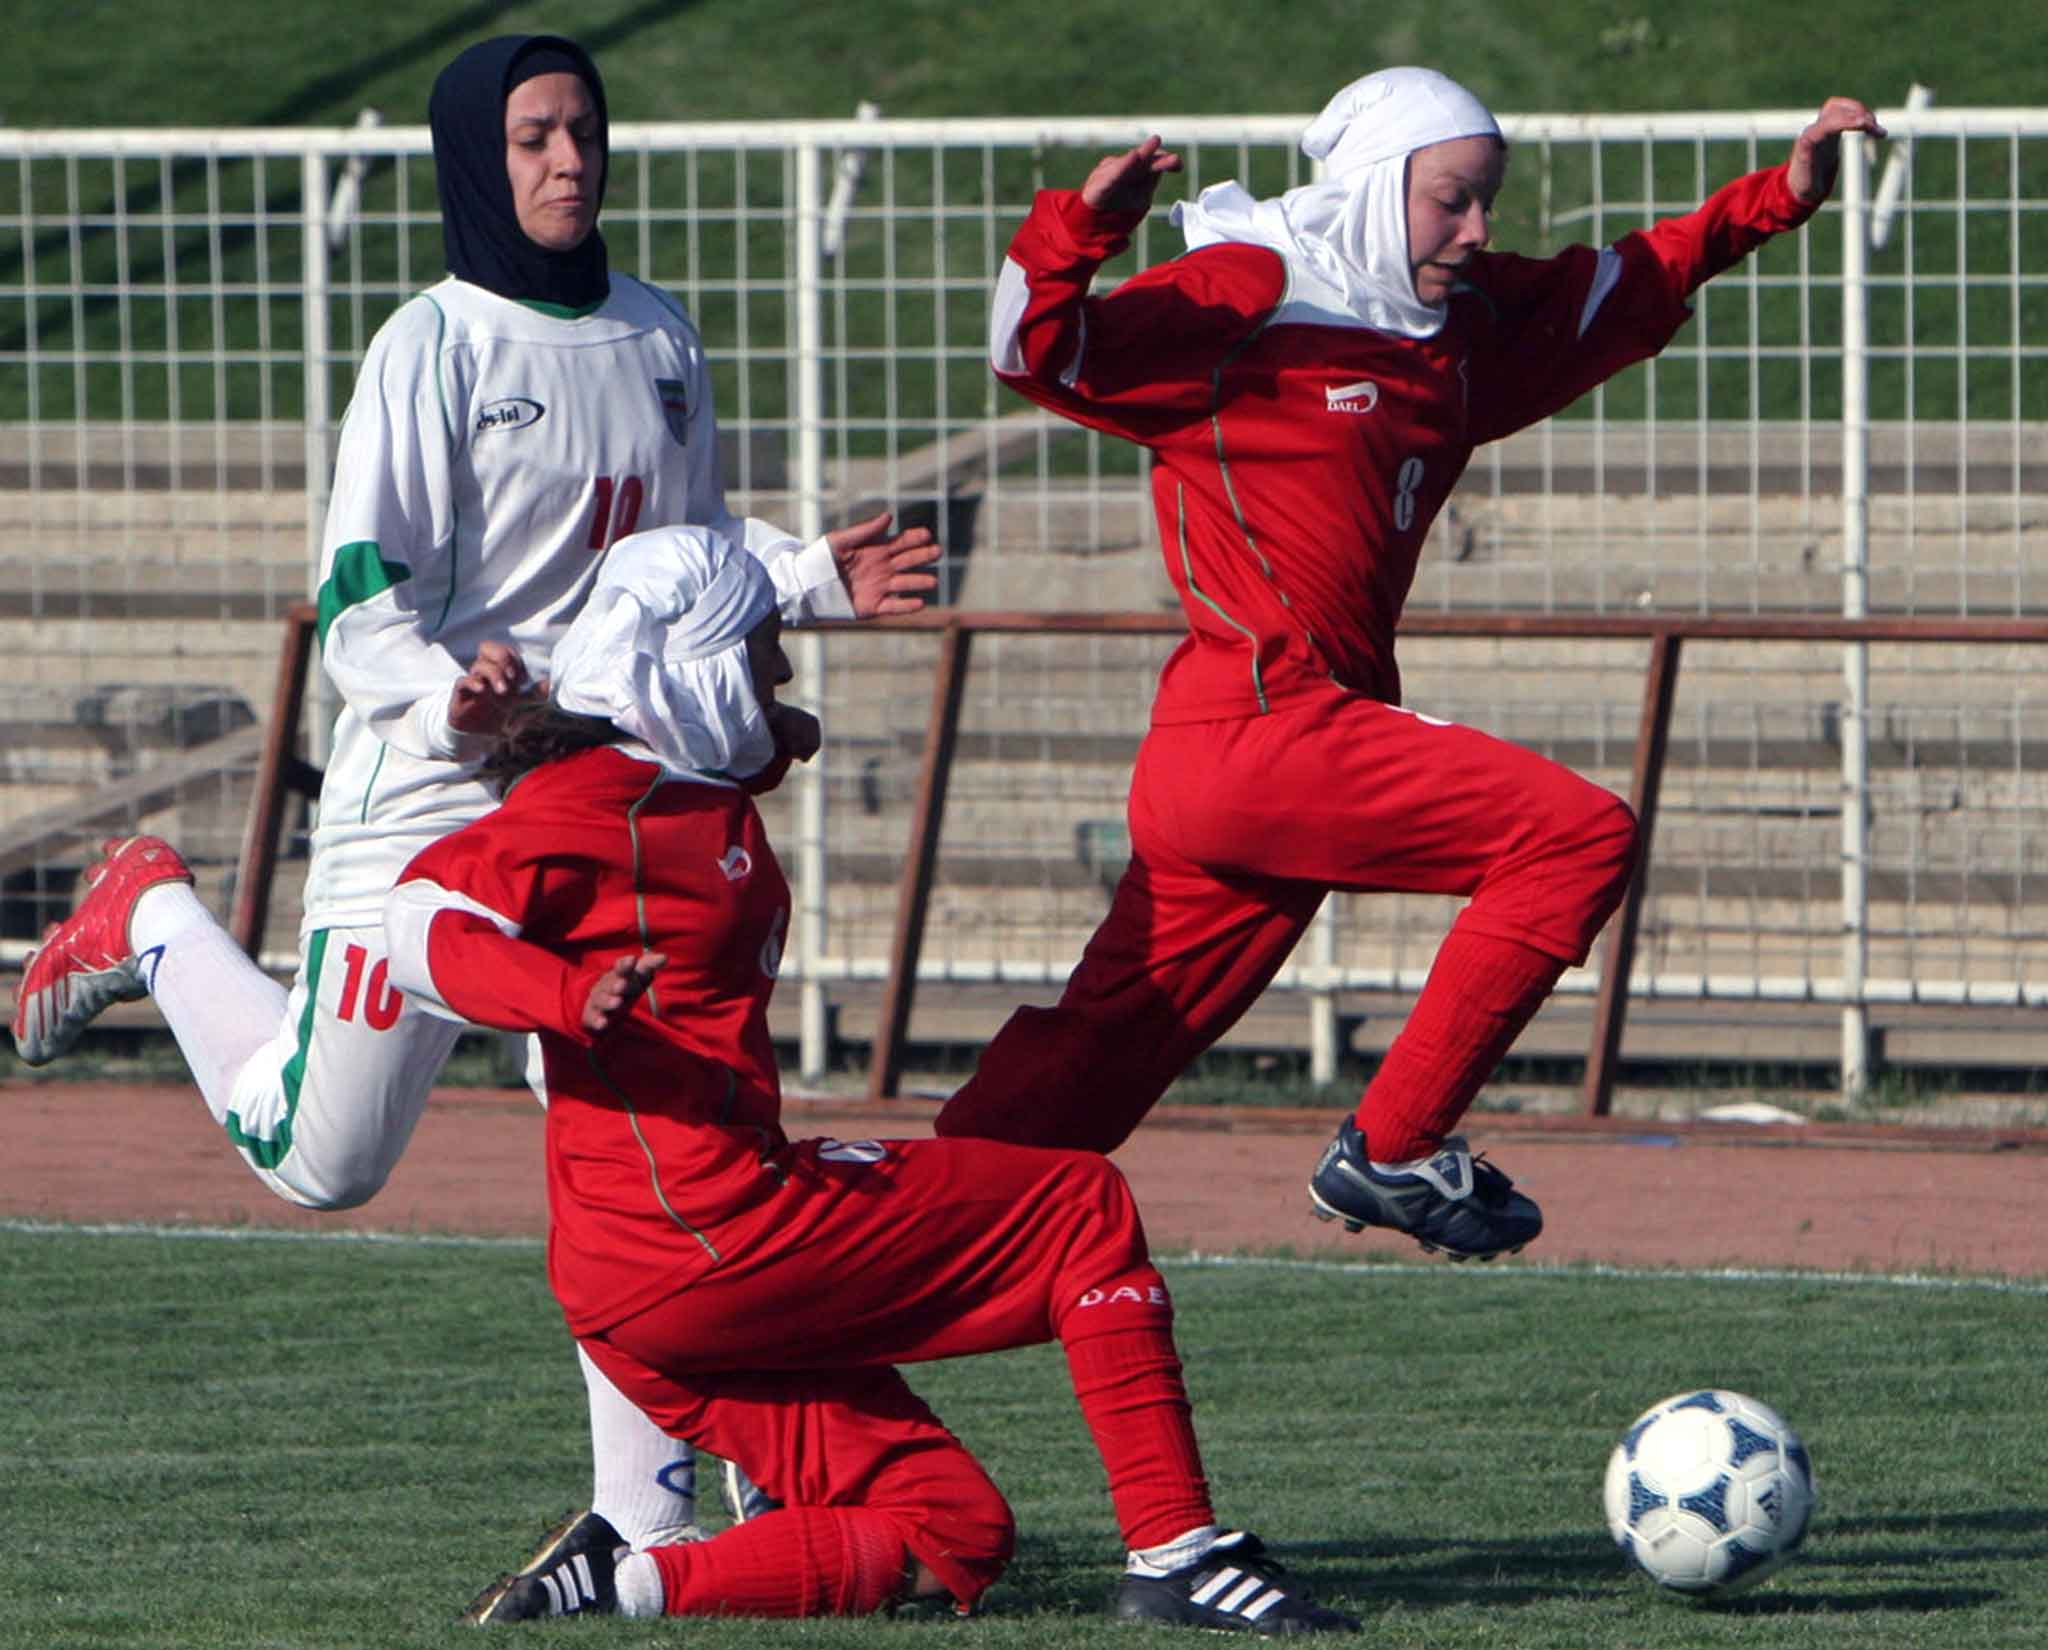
(772, 59)
(242, 1439)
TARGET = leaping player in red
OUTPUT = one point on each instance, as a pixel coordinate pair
(1310, 380)
(749, 1292)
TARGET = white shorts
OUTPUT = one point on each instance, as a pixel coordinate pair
(324, 1110)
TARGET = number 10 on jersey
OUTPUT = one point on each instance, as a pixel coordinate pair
(617, 510)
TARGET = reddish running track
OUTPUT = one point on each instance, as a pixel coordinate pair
(1217, 1180)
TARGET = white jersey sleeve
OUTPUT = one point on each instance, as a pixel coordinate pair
(390, 530)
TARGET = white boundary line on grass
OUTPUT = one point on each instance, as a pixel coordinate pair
(1564, 1273)
(273, 1234)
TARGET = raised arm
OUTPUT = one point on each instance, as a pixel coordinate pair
(1564, 324)
(1139, 357)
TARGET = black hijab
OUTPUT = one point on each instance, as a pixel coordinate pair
(478, 222)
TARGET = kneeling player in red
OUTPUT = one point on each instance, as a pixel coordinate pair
(749, 1292)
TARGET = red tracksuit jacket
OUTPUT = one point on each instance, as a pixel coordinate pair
(1299, 465)
(665, 1142)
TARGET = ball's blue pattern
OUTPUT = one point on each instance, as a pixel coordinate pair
(1641, 1498)
(1745, 1442)
(1710, 1504)
(1699, 1400)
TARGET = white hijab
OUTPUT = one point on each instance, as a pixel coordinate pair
(1345, 238)
(660, 649)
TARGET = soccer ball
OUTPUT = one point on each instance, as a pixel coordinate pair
(1709, 1491)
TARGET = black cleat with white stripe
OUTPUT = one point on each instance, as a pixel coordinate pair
(571, 1575)
(1232, 1588)
(1454, 1203)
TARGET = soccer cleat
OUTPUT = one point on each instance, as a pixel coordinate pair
(85, 963)
(571, 1574)
(1455, 1202)
(1232, 1588)
(744, 1498)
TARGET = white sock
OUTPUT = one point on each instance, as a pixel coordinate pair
(1176, 1554)
(638, 1579)
(219, 1005)
(646, 1481)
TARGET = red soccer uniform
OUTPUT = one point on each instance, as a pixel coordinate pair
(1299, 459)
(665, 1130)
(749, 1292)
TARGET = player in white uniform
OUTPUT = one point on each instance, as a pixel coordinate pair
(507, 425)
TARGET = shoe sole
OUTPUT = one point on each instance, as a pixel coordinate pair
(1352, 1223)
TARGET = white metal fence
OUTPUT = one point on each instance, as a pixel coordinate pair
(1857, 420)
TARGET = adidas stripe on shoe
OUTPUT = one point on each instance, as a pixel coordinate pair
(571, 1573)
(1235, 1587)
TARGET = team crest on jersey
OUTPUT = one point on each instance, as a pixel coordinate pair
(675, 406)
(512, 412)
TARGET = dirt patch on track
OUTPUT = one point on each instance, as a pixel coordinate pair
(1211, 1179)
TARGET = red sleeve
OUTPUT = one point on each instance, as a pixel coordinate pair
(1556, 327)
(1141, 357)
(492, 979)
(1732, 223)
(453, 921)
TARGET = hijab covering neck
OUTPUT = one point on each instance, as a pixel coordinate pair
(1345, 237)
(479, 224)
(660, 648)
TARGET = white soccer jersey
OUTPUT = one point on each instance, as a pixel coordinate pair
(492, 451)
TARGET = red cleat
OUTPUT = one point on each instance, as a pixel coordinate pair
(85, 962)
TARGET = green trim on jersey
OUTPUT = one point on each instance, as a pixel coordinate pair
(448, 429)
(561, 312)
(360, 572)
(268, 1153)
(370, 784)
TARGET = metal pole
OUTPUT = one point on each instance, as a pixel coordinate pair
(1855, 719)
(814, 1034)
(1323, 1052)
(319, 412)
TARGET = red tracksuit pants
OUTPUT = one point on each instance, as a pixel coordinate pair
(895, 1252)
(1238, 829)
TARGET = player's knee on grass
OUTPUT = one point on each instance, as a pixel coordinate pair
(953, 1518)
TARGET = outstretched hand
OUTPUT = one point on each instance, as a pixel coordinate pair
(1817, 153)
(481, 697)
(883, 573)
(615, 991)
(1127, 182)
